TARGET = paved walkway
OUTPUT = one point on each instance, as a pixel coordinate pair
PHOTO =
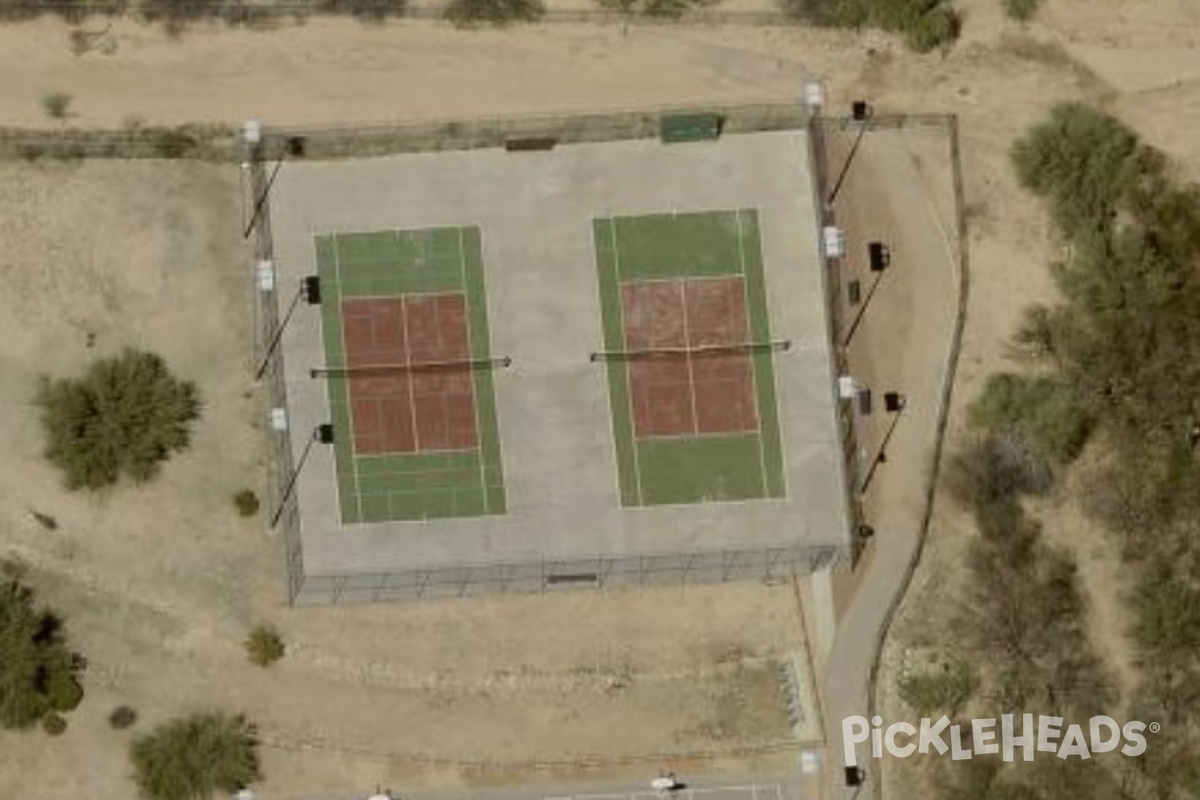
(907, 342)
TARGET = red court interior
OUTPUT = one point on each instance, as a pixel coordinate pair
(688, 393)
(419, 399)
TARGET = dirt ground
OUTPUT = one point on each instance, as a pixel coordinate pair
(160, 583)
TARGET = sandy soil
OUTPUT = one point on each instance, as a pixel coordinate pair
(161, 582)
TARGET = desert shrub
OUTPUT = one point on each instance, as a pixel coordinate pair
(943, 688)
(264, 645)
(246, 503)
(56, 105)
(989, 474)
(465, 13)
(1038, 410)
(662, 9)
(37, 671)
(194, 757)
(125, 416)
(935, 28)
(63, 691)
(1021, 10)
(366, 10)
(122, 717)
(1024, 616)
(1084, 162)
(925, 24)
(1168, 618)
(54, 724)
(174, 14)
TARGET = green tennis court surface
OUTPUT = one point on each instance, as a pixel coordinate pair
(693, 394)
(412, 402)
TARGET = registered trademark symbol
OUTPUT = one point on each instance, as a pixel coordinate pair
(1155, 727)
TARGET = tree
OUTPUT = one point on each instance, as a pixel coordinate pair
(125, 416)
(194, 757)
(1084, 162)
(38, 674)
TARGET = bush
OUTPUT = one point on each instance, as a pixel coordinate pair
(366, 10)
(1083, 162)
(1021, 10)
(54, 724)
(195, 757)
(63, 691)
(946, 688)
(990, 474)
(465, 13)
(37, 671)
(1041, 411)
(246, 503)
(936, 28)
(661, 9)
(1168, 619)
(126, 415)
(265, 646)
(122, 717)
(56, 105)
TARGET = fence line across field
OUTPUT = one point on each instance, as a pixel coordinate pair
(777, 346)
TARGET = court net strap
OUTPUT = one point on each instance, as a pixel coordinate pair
(775, 346)
(425, 366)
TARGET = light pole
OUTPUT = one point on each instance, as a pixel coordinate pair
(862, 113)
(321, 433)
(879, 258)
(261, 199)
(309, 288)
(895, 404)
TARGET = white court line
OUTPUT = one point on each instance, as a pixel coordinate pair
(687, 342)
(637, 466)
(408, 378)
(762, 450)
(612, 411)
(337, 270)
(476, 400)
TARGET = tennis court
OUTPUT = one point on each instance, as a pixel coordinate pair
(409, 374)
(690, 359)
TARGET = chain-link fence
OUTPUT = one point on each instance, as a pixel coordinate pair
(356, 140)
(542, 575)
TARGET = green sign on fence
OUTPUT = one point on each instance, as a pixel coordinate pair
(690, 127)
